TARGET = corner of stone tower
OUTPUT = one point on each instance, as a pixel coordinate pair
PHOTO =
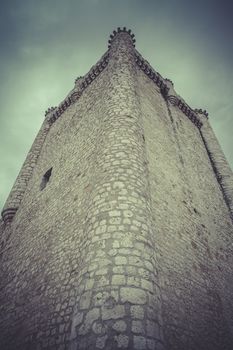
(121, 31)
(121, 43)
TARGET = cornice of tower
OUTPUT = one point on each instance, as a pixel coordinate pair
(167, 90)
(81, 83)
(203, 112)
(166, 85)
(115, 33)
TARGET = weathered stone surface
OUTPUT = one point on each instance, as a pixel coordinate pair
(122, 341)
(133, 295)
(138, 327)
(137, 311)
(119, 326)
(114, 312)
(100, 342)
(127, 244)
(139, 342)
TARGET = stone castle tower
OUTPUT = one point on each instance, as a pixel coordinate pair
(118, 231)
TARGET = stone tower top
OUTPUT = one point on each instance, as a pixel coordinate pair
(119, 30)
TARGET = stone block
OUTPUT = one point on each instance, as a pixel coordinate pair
(133, 295)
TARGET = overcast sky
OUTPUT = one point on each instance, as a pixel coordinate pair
(46, 44)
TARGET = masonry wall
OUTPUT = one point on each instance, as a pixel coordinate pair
(41, 270)
(193, 228)
(128, 246)
(80, 269)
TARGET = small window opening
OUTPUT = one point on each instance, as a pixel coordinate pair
(45, 179)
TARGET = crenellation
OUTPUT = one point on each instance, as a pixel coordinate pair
(162, 84)
(175, 101)
(77, 79)
(119, 30)
(200, 111)
(49, 110)
(82, 83)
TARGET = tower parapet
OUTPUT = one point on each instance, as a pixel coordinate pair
(200, 111)
(120, 30)
(81, 83)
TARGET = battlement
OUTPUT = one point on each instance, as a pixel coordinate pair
(119, 30)
(81, 84)
(200, 111)
(86, 80)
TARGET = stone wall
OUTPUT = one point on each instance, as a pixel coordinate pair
(193, 228)
(122, 236)
(94, 282)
